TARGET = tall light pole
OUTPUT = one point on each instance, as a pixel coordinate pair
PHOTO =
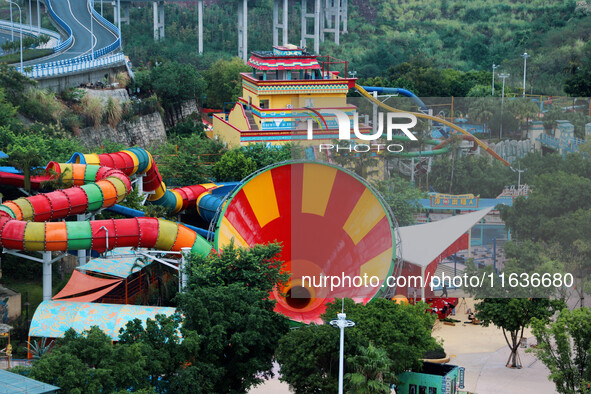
(20, 19)
(524, 56)
(11, 24)
(341, 323)
(91, 2)
(504, 76)
(495, 66)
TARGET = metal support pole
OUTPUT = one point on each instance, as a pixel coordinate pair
(183, 274)
(47, 290)
(524, 56)
(38, 17)
(81, 253)
(30, 17)
(200, 24)
(11, 24)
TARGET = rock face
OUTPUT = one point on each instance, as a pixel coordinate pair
(183, 111)
(511, 150)
(149, 129)
(103, 95)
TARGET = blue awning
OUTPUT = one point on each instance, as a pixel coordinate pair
(53, 318)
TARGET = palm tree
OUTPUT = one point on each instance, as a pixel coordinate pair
(480, 110)
(373, 371)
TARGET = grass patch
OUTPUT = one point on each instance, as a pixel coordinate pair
(28, 54)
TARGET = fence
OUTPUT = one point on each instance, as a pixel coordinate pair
(72, 67)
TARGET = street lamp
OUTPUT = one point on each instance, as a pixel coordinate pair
(342, 323)
(518, 171)
(524, 56)
(495, 66)
(20, 18)
(504, 76)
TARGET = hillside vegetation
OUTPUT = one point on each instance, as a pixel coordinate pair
(384, 33)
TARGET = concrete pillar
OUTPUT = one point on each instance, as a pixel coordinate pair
(200, 24)
(317, 10)
(36, 15)
(243, 30)
(119, 14)
(312, 16)
(331, 20)
(81, 253)
(47, 290)
(125, 17)
(344, 15)
(283, 25)
(158, 21)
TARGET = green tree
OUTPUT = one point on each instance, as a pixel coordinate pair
(373, 371)
(512, 316)
(224, 83)
(233, 166)
(402, 198)
(159, 343)
(564, 346)
(89, 362)
(226, 305)
(309, 355)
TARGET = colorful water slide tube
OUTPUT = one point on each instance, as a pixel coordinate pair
(330, 223)
(134, 213)
(138, 161)
(361, 90)
(25, 222)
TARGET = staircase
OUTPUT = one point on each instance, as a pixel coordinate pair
(251, 122)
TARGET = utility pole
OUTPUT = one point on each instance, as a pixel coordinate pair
(495, 66)
(504, 76)
(524, 56)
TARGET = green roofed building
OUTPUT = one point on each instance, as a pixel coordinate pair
(432, 379)
(15, 383)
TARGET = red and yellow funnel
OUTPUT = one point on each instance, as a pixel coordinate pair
(331, 224)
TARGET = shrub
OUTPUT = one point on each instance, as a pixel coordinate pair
(92, 108)
(113, 112)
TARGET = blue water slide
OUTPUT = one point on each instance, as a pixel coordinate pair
(405, 93)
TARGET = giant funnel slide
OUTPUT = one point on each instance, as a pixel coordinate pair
(24, 223)
(330, 223)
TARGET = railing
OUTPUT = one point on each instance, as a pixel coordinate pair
(72, 67)
(62, 45)
(26, 29)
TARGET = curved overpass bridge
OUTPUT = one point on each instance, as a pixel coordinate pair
(76, 15)
(89, 43)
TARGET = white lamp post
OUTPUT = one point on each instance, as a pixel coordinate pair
(20, 18)
(91, 30)
(341, 323)
(495, 66)
(504, 76)
(524, 56)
